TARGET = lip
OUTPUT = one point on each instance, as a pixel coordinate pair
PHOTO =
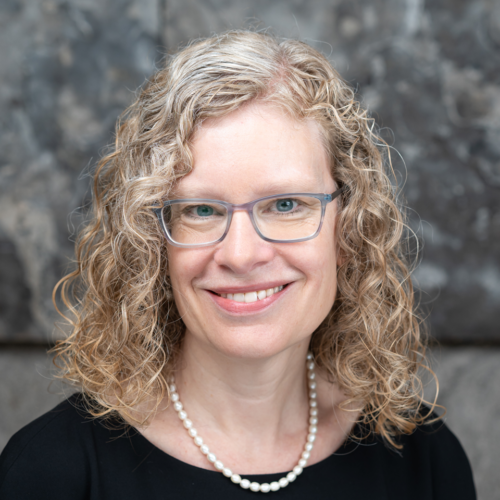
(240, 308)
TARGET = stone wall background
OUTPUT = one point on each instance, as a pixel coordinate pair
(428, 70)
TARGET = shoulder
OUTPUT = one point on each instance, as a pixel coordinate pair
(52, 451)
(436, 439)
(434, 454)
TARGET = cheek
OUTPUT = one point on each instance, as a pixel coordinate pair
(317, 260)
(320, 267)
(317, 295)
(184, 266)
(317, 263)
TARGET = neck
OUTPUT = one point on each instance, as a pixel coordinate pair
(265, 396)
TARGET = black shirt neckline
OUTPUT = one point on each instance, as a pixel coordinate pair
(348, 447)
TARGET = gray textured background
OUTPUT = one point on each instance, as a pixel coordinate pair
(430, 74)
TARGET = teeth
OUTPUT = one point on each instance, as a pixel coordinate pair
(252, 296)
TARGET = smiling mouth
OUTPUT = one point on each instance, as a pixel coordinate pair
(253, 296)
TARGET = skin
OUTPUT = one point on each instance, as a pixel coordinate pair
(241, 376)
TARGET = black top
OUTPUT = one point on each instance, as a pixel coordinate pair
(63, 455)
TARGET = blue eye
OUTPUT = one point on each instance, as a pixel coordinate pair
(284, 205)
(204, 211)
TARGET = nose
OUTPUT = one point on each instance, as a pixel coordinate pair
(243, 250)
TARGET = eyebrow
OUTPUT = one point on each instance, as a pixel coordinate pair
(269, 190)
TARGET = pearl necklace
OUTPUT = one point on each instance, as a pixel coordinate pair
(235, 478)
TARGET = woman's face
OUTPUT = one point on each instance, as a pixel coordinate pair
(255, 152)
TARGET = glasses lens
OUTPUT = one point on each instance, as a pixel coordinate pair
(288, 217)
(195, 223)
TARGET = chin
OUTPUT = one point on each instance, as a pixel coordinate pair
(247, 343)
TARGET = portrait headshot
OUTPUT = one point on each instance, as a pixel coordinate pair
(249, 250)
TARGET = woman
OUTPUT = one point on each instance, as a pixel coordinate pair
(242, 302)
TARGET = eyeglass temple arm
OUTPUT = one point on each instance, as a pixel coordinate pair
(331, 197)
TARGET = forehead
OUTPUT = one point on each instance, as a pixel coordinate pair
(255, 151)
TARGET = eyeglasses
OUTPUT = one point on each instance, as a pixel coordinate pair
(283, 218)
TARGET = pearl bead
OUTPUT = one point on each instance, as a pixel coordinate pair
(313, 412)
(309, 356)
(172, 388)
(310, 365)
(192, 432)
(311, 375)
(218, 465)
(255, 486)
(308, 446)
(283, 482)
(311, 438)
(291, 477)
(303, 461)
(204, 449)
(174, 397)
(227, 472)
(265, 487)
(313, 429)
(312, 385)
(177, 406)
(198, 441)
(305, 456)
(297, 470)
(245, 484)
(313, 420)
(211, 457)
(275, 486)
(187, 423)
(236, 478)
(313, 403)
(313, 395)
(182, 415)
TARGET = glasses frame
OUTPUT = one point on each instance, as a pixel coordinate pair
(246, 207)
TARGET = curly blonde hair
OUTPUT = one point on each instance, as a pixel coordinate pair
(126, 330)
